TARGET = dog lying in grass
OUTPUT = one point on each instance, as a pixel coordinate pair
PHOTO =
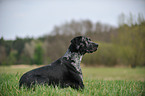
(64, 72)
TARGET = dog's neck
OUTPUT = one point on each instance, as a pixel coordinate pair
(76, 57)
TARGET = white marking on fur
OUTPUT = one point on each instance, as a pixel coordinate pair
(77, 58)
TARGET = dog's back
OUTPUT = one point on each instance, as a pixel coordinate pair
(44, 75)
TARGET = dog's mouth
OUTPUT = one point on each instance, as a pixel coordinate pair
(92, 50)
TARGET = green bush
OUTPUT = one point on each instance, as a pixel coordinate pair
(11, 58)
(38, 55)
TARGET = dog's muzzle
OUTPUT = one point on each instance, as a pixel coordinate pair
(93, 48)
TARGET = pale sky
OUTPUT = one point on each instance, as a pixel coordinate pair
(36, 18)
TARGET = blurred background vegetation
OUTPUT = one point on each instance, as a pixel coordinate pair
(118, 46)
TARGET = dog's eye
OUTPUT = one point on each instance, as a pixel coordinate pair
(89, 39)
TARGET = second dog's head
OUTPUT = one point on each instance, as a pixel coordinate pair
(83, 45)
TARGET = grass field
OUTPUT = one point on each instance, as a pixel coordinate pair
(97, 81)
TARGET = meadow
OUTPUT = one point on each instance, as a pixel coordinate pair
(102, 81)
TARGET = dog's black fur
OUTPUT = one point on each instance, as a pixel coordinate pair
(65, 71)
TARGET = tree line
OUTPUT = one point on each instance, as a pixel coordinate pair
(122, 45)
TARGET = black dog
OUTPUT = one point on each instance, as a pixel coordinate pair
(65, 71)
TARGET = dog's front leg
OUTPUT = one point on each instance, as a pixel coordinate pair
(77, 86)
(76, 82)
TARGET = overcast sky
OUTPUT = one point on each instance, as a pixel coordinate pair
(36, 18)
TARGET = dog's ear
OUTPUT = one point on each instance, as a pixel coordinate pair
(76, 42)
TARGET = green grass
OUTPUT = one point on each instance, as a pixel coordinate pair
(97, 81)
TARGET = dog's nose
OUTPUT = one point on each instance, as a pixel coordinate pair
(96, 45)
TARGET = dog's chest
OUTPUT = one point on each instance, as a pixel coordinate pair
(77, 59)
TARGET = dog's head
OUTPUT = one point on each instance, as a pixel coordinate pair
(83, 45)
